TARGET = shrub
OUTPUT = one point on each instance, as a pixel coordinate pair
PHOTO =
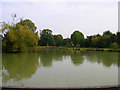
(115, 46)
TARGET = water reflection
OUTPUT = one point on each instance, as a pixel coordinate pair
(119, 69)
(24, 65)
(77, 58)
(106, 58)
(48, 56)
(19, 66)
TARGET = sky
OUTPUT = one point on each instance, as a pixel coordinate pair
(65, 16)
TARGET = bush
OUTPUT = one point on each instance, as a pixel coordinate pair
(115, 46)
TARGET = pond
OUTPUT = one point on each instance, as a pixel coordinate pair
(60, 68)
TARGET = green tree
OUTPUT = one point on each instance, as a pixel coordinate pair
(17, 37)
(28, 23)
(77, 38)
(108, 33)
(66, 42)
(95, 40)
(118, 38)
(87, 41)
(114, 38)
(58, 40)
(107, 38)
(115, 46)
(46, 37)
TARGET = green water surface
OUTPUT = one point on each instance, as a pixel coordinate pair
(60, 68)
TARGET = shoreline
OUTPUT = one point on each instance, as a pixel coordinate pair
(84, 49)
(77, 49)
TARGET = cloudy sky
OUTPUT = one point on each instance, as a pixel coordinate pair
(65, 16)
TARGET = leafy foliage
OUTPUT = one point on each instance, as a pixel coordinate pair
(17, 38)
(118, 38)
(77, 38)
(28, 23)
(115, 46)
(46, 37)
(103, 41)
(58, 40)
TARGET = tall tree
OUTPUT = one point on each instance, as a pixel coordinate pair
(108, 33)
(118, 38)
(17, 37)
(66, 42)
(28, 23)
(77, 38)
(58, 40)
(46, 37)
(106, 37)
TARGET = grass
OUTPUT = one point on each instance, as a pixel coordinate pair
(90, 49)
(75, 48)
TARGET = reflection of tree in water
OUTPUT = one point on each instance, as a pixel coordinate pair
(19, 66)
(106, 58)
(24, 65)
(48, 55)
(119, 68)
(119, 59)
(77, 58)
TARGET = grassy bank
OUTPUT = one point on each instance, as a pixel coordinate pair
(71, 49)
(80, 49)
(91, 49)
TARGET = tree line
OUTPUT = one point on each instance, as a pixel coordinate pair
(21, 35)
(77, 39)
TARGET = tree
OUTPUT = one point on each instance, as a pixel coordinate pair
(28, 23)
(66, 42)
(58, 40)
(17, 37)
(88, 41)
(105, 40)
(118, 38)
(77, 38)
(46, 37)
(115, 46)
(114, 38)
(102, 43)
(94, 40)
(108, 33)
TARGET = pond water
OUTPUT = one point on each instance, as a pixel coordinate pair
(60, 68)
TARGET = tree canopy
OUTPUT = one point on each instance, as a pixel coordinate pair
(18, 37)
(77, 38)
(28, 23)
(46, 37)
(58, 40)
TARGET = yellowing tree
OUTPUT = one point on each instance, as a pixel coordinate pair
(18, 37)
